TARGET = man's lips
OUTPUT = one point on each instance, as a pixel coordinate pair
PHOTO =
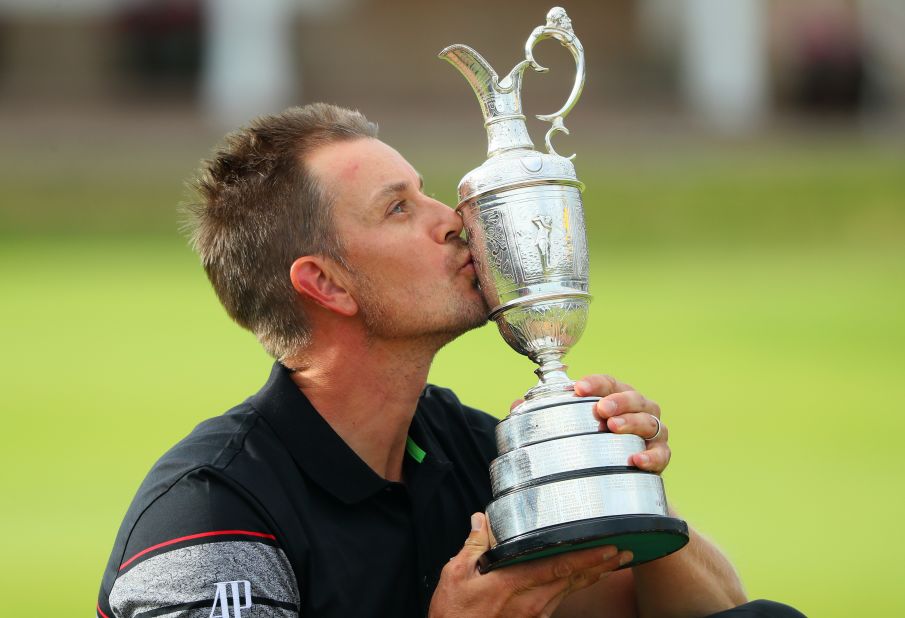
(468, 264)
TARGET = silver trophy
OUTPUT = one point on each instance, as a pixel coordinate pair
(560, 482)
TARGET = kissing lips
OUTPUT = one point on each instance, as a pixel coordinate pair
(468, 265)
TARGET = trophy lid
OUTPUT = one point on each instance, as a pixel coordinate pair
(517, 168)
(512, 160)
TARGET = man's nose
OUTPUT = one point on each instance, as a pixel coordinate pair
(449, 223)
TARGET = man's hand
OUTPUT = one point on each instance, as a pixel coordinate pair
(529, 589)
(624, 410)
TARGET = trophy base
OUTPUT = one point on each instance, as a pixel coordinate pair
(648, 537)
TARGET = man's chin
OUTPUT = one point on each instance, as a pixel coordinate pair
(480, 301)
(474, 320)
(466, 318)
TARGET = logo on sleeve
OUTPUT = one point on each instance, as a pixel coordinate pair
(228, 596)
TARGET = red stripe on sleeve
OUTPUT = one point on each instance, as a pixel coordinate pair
(100, 612)
(200, 535)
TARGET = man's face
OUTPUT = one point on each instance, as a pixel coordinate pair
(412, 272)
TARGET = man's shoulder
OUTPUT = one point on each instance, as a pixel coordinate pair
(180, 546)
(197, 508)
(199, 468)
(217, 448)
(213, 444)
(442, 404)
(215, 440)
(458, 429)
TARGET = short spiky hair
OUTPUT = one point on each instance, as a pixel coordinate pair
(259, 208)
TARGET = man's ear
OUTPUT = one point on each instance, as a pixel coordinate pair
(315, 277)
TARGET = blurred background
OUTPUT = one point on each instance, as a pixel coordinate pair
(745, 172)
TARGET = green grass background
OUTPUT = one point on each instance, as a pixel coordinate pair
(755, 292)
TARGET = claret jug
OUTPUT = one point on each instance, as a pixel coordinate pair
(560, 482)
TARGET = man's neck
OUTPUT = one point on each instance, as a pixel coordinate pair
(367, 391)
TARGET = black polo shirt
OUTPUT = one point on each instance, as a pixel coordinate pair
(265, 511)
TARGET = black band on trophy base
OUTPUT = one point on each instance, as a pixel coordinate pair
(565, 476)
(648, 537)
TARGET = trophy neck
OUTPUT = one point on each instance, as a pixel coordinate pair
(505, 133)
(552, 377)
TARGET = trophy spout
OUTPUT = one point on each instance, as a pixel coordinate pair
(476, 71)
(500, 100)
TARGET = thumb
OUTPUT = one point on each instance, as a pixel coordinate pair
(478, 540)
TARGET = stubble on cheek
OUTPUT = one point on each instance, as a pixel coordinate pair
(412, 311)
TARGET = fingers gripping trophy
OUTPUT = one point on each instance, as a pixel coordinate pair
(560, 482)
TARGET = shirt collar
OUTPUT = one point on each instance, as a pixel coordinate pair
(313, 444)
(323, 455)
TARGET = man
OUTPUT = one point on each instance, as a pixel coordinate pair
(346, 486)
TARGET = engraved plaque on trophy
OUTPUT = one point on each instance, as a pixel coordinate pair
(560, 482)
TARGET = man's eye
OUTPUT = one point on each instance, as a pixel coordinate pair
(397, 208)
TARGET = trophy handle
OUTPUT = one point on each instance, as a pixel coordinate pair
(558, 27)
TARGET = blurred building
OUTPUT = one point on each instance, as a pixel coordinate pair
(731, 64)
